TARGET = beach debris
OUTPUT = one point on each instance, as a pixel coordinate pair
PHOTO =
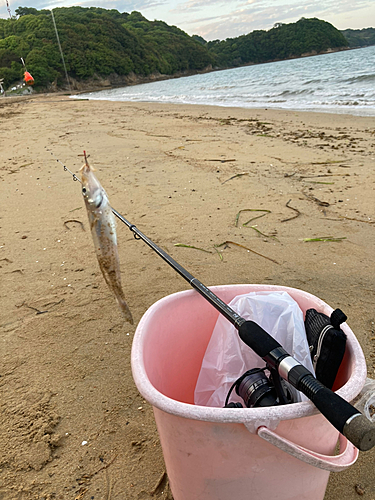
(160, 484)
(324, 238)
(5, 259)
(328, 162)
(319, 182)
(221, 160)
(253, 218)
(359, 489)
(80, 493)
(19, 271)
(263, 234)
(298, 213)
(343, 217)
(33, 308)
(228, 242)
(323, 175)
(313, 198)
(191, 246)
(38, 311)
(219, 253)
(197, 248)
(74, 221)
(103, 230)
(234, 176)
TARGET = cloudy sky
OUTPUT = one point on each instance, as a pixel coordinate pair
(222, 19)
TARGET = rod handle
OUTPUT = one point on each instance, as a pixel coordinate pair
(261, 342)
(342, 415)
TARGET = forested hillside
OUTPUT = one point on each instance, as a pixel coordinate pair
(94, 41)
(110, 44)
(360, 38)
(283, 41)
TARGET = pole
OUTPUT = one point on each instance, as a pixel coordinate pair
(8, 9)
(61, 52)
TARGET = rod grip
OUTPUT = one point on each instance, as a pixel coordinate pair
(341, 414)
(257, 339)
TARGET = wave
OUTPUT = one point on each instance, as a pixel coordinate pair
(360, 78)
(297, 92)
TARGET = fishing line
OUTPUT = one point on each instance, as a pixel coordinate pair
(341, 414)
(75, 178)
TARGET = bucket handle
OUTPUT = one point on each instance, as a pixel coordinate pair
(348, 452)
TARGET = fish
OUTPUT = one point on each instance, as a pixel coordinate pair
(103, 230)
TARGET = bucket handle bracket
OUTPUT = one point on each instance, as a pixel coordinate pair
(336, 463)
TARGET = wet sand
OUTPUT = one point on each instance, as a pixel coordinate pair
(182, 174)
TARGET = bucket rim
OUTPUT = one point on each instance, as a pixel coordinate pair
(239, 415)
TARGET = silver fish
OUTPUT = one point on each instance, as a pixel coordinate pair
(103, 230)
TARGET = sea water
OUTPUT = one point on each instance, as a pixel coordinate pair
(339, 82)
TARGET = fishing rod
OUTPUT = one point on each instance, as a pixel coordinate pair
(8, 9)
(342, 415)
(61, 52)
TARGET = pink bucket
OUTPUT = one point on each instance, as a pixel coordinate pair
(221, 454)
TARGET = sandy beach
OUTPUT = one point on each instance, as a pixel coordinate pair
(73, 425)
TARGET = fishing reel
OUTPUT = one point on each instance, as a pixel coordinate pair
(257, 390)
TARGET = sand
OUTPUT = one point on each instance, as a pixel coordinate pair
(73, 425)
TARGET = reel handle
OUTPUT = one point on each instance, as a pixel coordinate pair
(341, 414)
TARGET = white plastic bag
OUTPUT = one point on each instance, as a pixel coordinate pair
(227, 357)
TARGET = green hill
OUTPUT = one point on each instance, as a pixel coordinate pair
(283, 41)
(94, 41)
(108, 44)
(360, 38)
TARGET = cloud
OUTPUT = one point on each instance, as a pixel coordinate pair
(196, 5)
(225, 18)
(257, 14)
(121, 5)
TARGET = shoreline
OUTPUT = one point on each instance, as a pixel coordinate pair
(64, 96)
(132, 79)
(182, 174)
(72, 97)
(330, 111)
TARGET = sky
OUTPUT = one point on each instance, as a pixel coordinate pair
(221, 19)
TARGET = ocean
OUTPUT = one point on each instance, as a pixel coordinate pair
(339, 82)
